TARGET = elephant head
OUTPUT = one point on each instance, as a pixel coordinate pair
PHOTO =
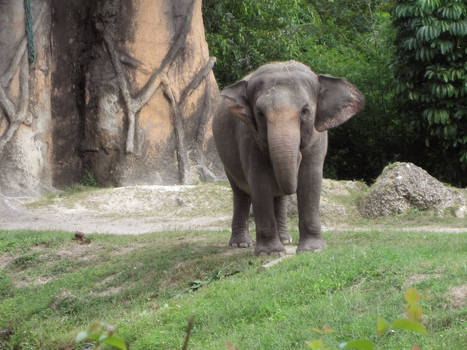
(286, 106)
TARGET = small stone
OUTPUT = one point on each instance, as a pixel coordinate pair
(180, 202)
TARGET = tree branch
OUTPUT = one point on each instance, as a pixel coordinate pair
(125, 90)
(182, 157)
(154, 80)
(15, 118)
(198, 78)
(201, 132)
(188, 332)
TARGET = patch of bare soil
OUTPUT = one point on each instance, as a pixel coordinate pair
(28, 281)
(144, 209)
(5, 259)
(458, 296)
(418, 277)
(124, 210)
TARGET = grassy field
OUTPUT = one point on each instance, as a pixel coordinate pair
(148, 286)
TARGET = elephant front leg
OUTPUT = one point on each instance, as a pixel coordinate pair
(308, 198)
(280, 209)
(267, 235)
(241, 211)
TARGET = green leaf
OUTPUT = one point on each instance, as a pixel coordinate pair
(116, 342)
(316, 344)
(412, 296)
(361, 344)
(409, 325)
(381, 325)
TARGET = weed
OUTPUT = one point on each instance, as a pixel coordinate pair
(89, 180)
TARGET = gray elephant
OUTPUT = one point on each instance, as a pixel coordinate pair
(270, 130)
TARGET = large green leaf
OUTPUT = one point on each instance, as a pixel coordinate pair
(360, 344)
(409, 325)
(381, 325)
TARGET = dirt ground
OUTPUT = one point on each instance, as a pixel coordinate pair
(143, 209)
(124, 210)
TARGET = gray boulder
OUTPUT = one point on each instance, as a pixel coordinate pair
(403, 186)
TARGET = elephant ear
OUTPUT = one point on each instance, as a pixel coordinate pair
(338, 101)
(234, 97)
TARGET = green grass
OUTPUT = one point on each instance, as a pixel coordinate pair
(148, 286)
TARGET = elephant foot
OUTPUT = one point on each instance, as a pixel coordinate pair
(240, 241)
(311, 244)
(272, 246)
(285, 237)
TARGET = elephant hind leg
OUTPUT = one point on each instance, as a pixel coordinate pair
(241, 212)
(280, 211)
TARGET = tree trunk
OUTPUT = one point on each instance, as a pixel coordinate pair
(25, 117)
(125, 94)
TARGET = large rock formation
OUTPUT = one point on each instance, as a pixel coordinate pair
(402, 186)
(125, 94)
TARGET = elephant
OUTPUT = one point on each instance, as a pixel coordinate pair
(270, 130)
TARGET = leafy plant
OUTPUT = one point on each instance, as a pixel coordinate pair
(245, 34)
(102, 334)
(431, 70)
(89, 179)
(411, 323)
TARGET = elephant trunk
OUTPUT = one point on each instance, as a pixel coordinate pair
(284, 151)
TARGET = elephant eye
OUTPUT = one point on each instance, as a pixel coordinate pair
(260, 115)
(305, 111)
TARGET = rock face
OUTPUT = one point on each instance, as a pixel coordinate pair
(122, 90)
(402, 186)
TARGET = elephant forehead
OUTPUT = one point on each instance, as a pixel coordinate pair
(281, 98)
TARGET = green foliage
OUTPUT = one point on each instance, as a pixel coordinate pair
(102, 334)
(432, 81)
(354, 40)
(89, 180)
(341, 38)
(246, 34)
(412, 323)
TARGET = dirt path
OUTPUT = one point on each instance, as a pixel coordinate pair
(144, 209)
(129, 210)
